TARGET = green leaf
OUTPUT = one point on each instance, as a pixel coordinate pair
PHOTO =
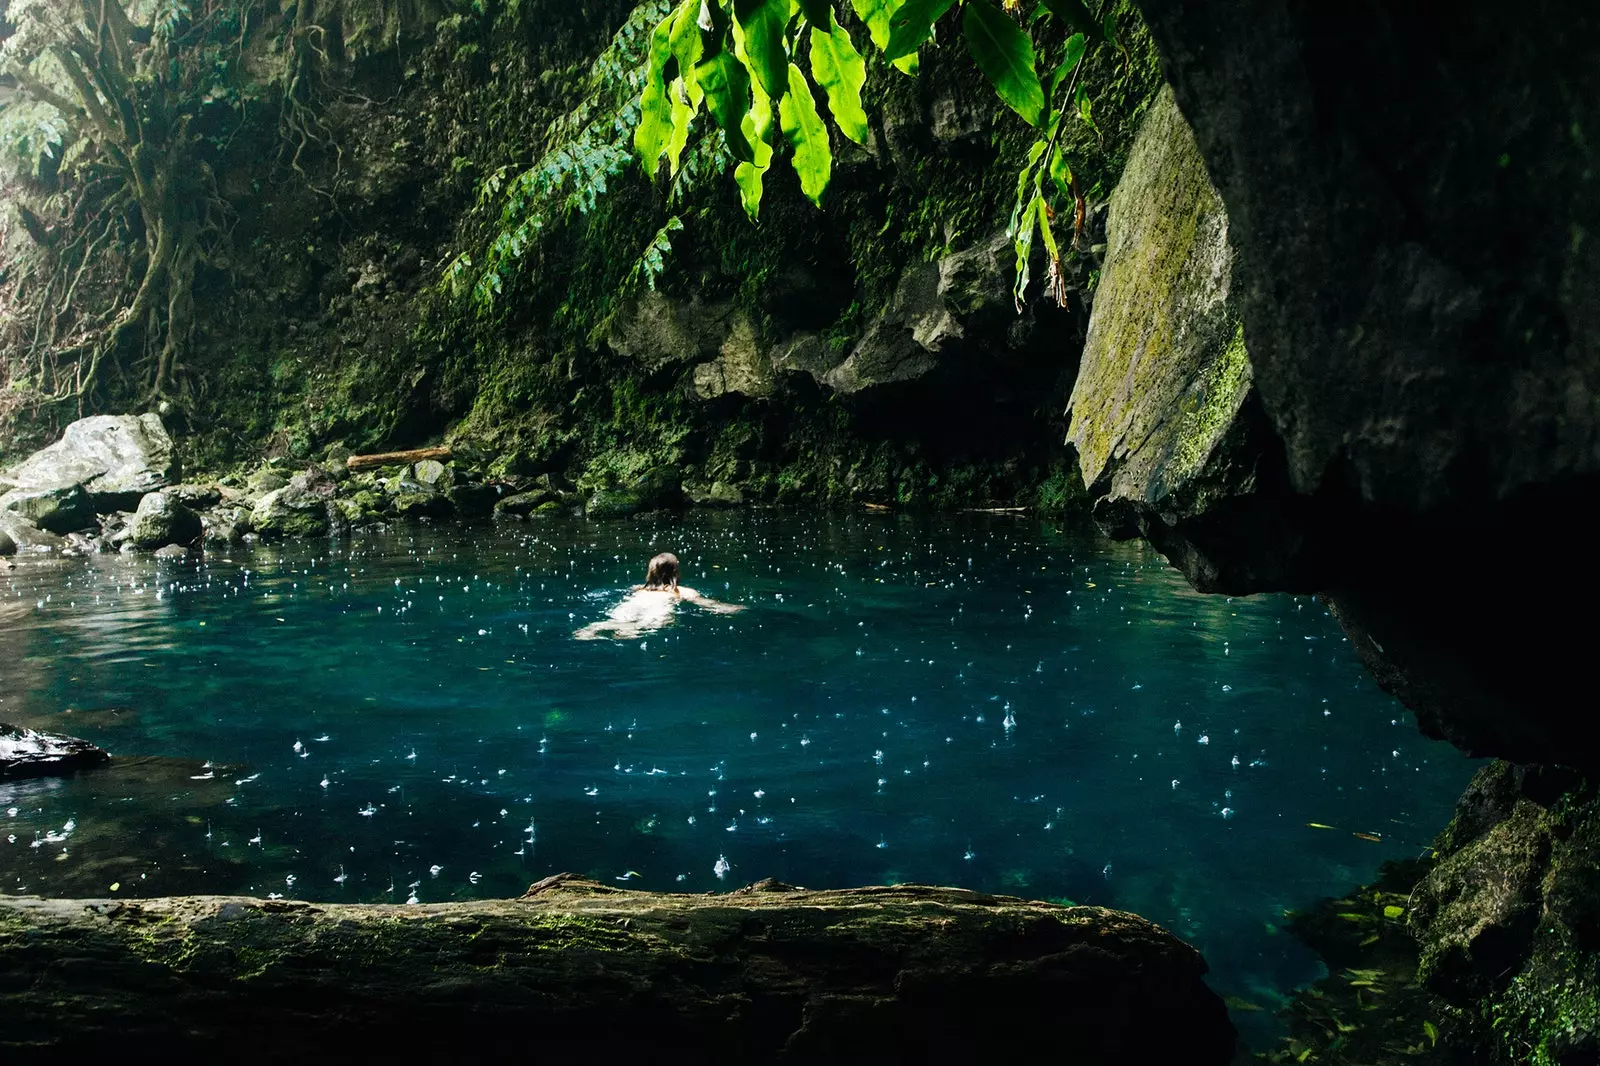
(1061, 173)
(748, 177)
(819, 13)
(688, 47)
(840, 71)
(727, 89)
(1074, 13)
(813, 158)
(655, 107)
(1076, 46)
(1432, 1032)
(764, 23)
(875, 13)
(1005, 53)
(684, 108)
(911, 24)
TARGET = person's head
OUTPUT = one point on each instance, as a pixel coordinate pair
(663, 572)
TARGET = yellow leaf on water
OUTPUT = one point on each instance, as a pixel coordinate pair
(1391, 911)
(115, 885)
(1319, 825)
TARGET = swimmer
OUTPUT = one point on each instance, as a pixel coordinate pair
(650, 606)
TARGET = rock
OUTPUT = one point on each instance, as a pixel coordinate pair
(613, 503)
(741, 368)
(717, 494)
(24, 536)
(172, 551)
(421, 505)
(433, 474)
(221, 530)
(656, 331)
(264, 481)
(162, 520)
(7, 545)
(472, 500)
(927, 325)
(1162, 415)
(658, 487)
(523, 503)
(198, 497)
(100, 464)
(290, 512)
(550, 507)
(35, 753)
(766, 974)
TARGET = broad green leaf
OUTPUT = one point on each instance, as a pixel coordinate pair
(875, 13)
(1076, 46)
(1061, 173)
(727, 89)
(819, 13)
(758, 126)
(1041, 212)
(655, 108)
(911, 24)
(1005, 53)
(1075, 13)
(748, 177)
(763, 23)
(813, 158)
(684, 108)
(688, 47)
(840, 71)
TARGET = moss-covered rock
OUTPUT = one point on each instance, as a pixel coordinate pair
(161, 520)
(290, 512)
(613, 503)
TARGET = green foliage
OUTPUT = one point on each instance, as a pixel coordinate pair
(31, 136)
(747, 45)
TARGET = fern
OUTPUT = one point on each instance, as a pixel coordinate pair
(653, 260)
(31, 135)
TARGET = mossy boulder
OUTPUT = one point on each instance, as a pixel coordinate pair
(473, 500)
(523, 503)
(162, 520)
(421, 505)
(290, 511)
(613, 503)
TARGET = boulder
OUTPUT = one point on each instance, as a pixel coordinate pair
(523, 503)
(161, 520)
(473, 500)
(613, 503)
(769, 973)
(199, 497)
(290, 511)
(35, 753)
(658, 487)
(717, 494)
(429, 504)
(433, 474)
(100, 464)
(1166, 426)
(741, 369)
(24, 536)
(264, 481)
(656, 331)
(172, 551)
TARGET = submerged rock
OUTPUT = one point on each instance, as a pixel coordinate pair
(904, 974)
(35, 753)
(103, 463)
(162, 520)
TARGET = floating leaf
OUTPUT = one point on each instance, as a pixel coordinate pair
(1392, 911)
(911, 24)
(763, 23)
(1432, 1032)
(1319, 825)
(1374, 837)
(813, 158)
(1005, 54)
(840, 71)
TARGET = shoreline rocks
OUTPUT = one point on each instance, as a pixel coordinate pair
(102, 463)
(35, 753)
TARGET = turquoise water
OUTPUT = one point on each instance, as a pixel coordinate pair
(986, 702)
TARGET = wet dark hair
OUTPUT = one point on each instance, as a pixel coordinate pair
(663, 572)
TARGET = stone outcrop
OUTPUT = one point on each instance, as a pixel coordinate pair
(35, 753)
(1424, 390)
(101, 464)
(162, 520)
(770, 973)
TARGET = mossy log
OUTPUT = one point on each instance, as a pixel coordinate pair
(768, 973)
(415, 455)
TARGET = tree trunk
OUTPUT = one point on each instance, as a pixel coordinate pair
(768, 973)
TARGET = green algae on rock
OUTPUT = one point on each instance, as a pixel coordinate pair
(770, 972)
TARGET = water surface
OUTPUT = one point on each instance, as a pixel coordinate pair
(986, 702)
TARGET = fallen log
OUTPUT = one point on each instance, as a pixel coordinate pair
(768, 973)
(416, 455)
